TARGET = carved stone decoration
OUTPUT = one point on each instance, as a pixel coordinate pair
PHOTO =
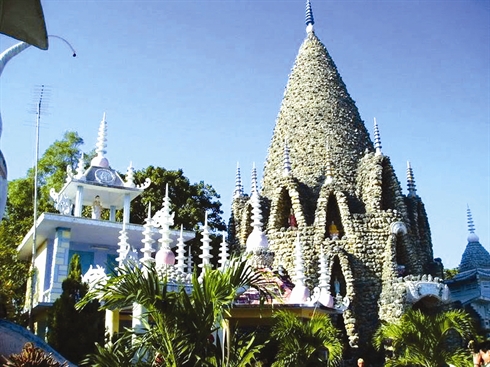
(61, 202)
(398, 228)
(418, 289)
(95, 277)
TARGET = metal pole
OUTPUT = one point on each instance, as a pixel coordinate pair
(34, 235)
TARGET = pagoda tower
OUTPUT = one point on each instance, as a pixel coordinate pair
(325, 179)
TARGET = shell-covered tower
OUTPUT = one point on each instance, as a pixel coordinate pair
(325, 179)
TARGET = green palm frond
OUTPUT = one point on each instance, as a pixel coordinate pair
(418, 339)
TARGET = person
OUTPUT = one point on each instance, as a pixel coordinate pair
(481, 354)
(360, 362)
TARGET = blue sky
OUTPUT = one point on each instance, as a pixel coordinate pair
(198, 84)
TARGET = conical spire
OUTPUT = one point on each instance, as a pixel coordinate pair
(223, 254)
(309, 17)
(148, 240)
(127, 254)
(189, 260)
(316, 105)
(325, 298)
(300, 293)
(377, 139)
(475, 255)
(412, 191)
(238, 183)
(206, 245)
(257, 238)
(299, 277)
(100, 160)
(254, 180)
(165, 219)
(287, 162)
(181, 251)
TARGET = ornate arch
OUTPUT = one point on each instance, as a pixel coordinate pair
(332, 207)
(286, 203)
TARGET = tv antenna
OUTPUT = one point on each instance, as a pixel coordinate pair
(41, 106)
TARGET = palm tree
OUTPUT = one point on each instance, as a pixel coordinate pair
(434, 340)
(305, 343)
(183, 325)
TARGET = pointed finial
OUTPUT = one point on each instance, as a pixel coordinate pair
(471, 225)
(377, 139)
(238, 183)
(80, 167)
(287, 162)
(254, 179)
(309, 17)
(412, 191)
(472, 237)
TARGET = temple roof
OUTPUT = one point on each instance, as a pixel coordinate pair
(316, 109)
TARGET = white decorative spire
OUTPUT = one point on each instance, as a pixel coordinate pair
(100, 160)
(127, 254)
(300, 292)
(412, 191)
(189, 260)
(238, 183)
(309, 17)
(181, 251)
(148, 240)
(377, 139)
(287, 162)
(223, 255)
(299, 268)
(254, 180)
(324, 278)
(165, 219)
(80, 167)
(325, 298)
(328, 168)
(206, 247)
(472, 237)
(130, 176)
(257, 239)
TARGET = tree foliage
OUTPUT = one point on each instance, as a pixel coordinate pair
(188, 201)
(302, 341)
(427, 340)
(182, 323)
(19, 218)
(73, 332)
